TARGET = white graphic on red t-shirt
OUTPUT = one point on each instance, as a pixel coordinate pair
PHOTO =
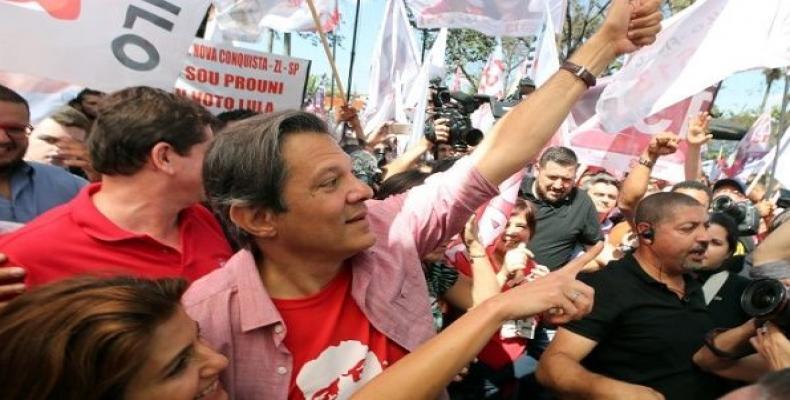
(338, 372)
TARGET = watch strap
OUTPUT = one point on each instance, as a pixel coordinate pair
(580, 72)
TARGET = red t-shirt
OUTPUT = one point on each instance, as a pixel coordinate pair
(335, 349)
(76, 239)
(498, 352)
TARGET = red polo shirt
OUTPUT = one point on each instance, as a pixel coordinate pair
(76, 239)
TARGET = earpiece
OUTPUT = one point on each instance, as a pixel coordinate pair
(648, 234)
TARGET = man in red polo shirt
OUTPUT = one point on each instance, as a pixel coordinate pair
(144, 217)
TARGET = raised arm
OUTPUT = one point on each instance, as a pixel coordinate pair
(521, 134)
(697, 136)
(635, 185)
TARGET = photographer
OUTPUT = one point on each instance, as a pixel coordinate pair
(410, 156)
(452, 110)
(731, 353)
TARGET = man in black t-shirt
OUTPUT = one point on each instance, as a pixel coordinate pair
(649, 316)
(566, 216)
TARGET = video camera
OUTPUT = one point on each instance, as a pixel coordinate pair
(743, 212)
(767, 300)
(456, 108)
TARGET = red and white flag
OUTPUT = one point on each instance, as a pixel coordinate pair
(619, 151)
(492, 83)
(492, 17)
(697, 47)
(101, 44)
(753, 146)
(245, 20)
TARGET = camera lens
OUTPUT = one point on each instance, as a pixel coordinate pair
(762, 297)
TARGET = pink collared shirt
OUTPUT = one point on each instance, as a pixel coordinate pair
(237, 316)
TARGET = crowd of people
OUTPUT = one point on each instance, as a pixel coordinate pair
(151, 250)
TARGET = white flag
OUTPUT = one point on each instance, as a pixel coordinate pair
(547, 58)
(697, 47)
(492, 17)
(418, 96)
(246, 19)
(782, 172)
(459, 83)
(393, 69)
(101, 44)
(753, 146)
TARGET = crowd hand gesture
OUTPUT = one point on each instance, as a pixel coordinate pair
(631, 24)
(346, 113)
(442, 129)
(698, 133)
(773, 345)
(765, 208)
(569, 298)
(663, 144)
(10, 281)
(71, 152)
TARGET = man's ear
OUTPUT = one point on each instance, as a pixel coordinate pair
(161, 157)
(256, 221)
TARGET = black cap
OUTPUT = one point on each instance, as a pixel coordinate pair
(729, 182)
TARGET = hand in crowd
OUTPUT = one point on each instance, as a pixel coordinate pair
(74, 153)
(345, 113)
(569, 298)
(10, 280)
(663, 144)
(698, 133)
(442, 128)
(516, 259)
(773, 345)
(630, 24)
(765, 208)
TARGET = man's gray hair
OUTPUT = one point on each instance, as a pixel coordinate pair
(245, 165)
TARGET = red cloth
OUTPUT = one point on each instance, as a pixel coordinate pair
(335, 349)
(76, 239)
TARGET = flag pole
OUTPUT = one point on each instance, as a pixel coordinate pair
(335, 74)
(782, 128)
(353, 52)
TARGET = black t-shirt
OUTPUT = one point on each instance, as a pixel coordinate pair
(647, 335)
(725, 307)
(561, 226)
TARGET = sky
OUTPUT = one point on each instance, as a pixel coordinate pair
(739, 92)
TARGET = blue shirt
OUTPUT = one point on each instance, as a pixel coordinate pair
(35, 188)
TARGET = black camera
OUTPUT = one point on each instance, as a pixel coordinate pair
(767, 300)
(743, 212)
(455, 107)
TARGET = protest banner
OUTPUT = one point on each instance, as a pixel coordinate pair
(223, 78)
(245, 20)
(491, 17)
(696, 48)
(618, 152)
(102, 44)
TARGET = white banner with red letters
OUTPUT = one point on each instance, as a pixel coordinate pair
(224, 78)
(101, 44)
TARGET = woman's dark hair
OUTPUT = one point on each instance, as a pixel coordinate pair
(528, 209)
(729, 225)
(400, 183)
(83, 338)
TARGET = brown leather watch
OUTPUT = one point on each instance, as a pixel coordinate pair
(580, 72)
